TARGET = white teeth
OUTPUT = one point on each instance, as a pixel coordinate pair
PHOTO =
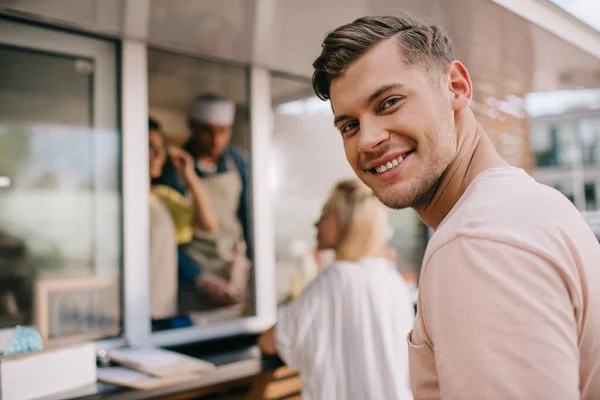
(389, 165)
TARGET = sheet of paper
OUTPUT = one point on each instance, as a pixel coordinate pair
(149, 357)
(220, 314)
(121, 374)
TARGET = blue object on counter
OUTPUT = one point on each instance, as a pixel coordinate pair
(182, 321)
(24, 340)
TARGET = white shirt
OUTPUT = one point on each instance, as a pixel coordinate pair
(344, 334)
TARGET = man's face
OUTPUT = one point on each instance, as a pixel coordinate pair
(211, 139)
(397, 126)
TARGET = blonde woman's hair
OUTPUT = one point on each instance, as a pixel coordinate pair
(363, 220)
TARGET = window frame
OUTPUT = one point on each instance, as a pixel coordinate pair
(105, 99)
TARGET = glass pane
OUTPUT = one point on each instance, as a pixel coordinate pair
(300, 188)
(97, 15)
(589, 131)
(60, 201)
(222, 28)
(586, 10)
(569, 120)
(200, 220)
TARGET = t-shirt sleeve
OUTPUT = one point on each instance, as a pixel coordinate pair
(294, 322)
(501, 322)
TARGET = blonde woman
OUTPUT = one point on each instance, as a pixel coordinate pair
(344, 334)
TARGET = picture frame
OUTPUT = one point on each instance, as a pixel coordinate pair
(71, 310)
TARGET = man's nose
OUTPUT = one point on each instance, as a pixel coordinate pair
(372, 134)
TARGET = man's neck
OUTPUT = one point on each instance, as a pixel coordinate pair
(475, 153)
(206, 165)
(208, 160)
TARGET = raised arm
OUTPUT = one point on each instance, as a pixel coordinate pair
(205, 217)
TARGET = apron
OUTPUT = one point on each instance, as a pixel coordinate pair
(224, 252)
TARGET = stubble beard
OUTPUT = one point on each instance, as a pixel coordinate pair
(427, 183)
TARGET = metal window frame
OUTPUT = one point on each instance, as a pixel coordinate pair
(105, 111)
(262, 228)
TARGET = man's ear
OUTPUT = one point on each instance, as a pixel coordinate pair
(460, 85)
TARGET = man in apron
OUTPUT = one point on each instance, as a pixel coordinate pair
(222, 256)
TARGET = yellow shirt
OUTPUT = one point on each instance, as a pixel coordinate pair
(181, 210)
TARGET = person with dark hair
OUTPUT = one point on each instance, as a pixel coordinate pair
(222, 255)
(210, 119)
(153, 125)
(176, 186)
(163, 244)
(509, 294)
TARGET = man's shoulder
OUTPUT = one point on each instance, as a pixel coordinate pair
(509, 210)
(235, 155)
(510, 200)
(239, 160)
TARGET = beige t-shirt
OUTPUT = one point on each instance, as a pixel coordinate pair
(509, 298)
(163, 261)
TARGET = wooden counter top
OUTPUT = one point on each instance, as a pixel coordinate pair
(243, 360)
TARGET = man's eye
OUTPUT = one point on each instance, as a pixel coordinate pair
(390, 102)
(348, 127)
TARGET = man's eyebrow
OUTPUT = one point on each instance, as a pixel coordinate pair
(340, 118)
(378, 92)
(381, 90)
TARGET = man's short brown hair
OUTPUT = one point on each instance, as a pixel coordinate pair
(422, 44)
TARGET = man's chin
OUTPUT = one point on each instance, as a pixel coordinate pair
(394, 203)
(391, 194)
(394, 197)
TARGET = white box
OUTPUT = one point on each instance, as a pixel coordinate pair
(50, 371)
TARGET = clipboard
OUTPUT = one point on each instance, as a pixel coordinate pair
(159, 362)
(127, 377)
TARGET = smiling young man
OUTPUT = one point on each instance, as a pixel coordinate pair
(509, 298)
